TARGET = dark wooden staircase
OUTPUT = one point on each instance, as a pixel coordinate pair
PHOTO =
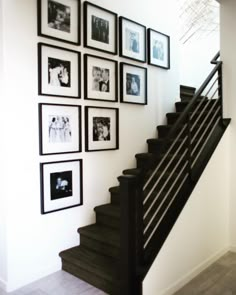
(100, 257)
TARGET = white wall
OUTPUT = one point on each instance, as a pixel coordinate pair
(34, 240)
(201, 234)
(228, 47)
(195, 57)
(3, 257)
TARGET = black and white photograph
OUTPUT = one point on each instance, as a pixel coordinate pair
(133, 80)
(61, 185)
(100, 78)
(100, 28)
(132, 40)
(59, 16)
(158, 49)
(59, 71)
(132, 84)
(59, 128)
(59, 20)
(101, 128)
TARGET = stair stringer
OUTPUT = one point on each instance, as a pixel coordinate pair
(200, 235)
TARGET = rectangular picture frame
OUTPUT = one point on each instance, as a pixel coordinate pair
(100, 81)
(59, 20)
(132, 40)
(133, 84)
(158, 49)
(61, 185)
(59, 129)
(100, 28)
(101, 128)
(59, 71)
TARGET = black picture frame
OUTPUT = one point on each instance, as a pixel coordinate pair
(132, 40)
(100, 28)
(59, 129)
(100, 80)
(101, 128)
(133, 84)
(59, 71)
(59, 20)
(158, 49)
(61, 185)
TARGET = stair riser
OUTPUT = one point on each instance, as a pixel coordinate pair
(101, 248)
(90, 278)
(172, 118)
(108, 221)
(115, 198)
(187, 89)
(180, 107)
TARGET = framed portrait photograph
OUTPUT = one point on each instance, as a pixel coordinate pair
(100, 28)
(133, 84)
(61, 185)
(158, 49)
(58, 71)
(132, 40)
(59, 129)
(101, 129)
(59, 20)
(100, 81)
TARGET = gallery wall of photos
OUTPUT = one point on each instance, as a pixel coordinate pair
(60, 75)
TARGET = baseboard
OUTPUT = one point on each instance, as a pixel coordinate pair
(3, 285)
(194, 272)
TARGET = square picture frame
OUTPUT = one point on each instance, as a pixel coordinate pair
(61, 185)
(133, 84)
(132, 40)
(59, 20)
(158, 49)
(59, 129)
(100, 28)
(100, 81)
(101, 128)
(59, 71)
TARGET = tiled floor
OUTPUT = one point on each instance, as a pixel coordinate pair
(59, 283)
(218, 279)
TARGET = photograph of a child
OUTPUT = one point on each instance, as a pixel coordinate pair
(59, 129)
(132, 84)
(100, 29)
(101, 129)
(158, 50)
(59, 16)
(132, 41)
(100, 77)
(59, 72)
(61, 185)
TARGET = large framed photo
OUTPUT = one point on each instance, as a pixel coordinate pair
(101, 129)
(59, 20)
(100, 81)
(61, 185)
(100, 28)
(158, 49)
(59, 129)
(132, 40)
(59, 71)
(133, 84)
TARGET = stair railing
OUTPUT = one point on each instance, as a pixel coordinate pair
(146, 201)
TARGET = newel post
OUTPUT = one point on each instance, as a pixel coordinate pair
(131, 234)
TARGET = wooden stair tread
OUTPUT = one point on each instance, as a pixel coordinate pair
(103, 266)
(102, 234)
(108, 209)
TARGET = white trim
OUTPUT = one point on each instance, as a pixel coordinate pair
(3, 285)
(194, 272)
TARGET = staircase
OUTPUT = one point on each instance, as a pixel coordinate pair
(117, 251)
